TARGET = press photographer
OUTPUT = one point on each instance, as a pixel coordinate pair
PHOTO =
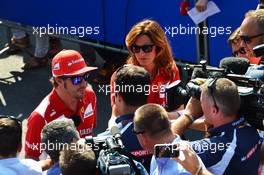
(219, 104)
(251, 89)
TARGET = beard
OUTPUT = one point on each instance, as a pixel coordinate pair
(78, 94)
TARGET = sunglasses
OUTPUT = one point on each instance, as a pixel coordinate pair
(76, 80)
(247, 39)
(137, 132)
(242, 50)
(211, 89)
(145, 48)
(18, 122)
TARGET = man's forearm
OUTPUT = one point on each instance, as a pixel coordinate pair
(193, 108)
(45, 164)
(198, 124)
(180, 125)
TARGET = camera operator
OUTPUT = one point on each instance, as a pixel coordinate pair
(252, 31)
(127, 101)
(55, 136)
(152, 126)
(233, 146)
(10, 144)
(81, 161)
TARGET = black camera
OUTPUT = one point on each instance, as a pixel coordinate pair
(112, 158)
(252, 107)
(176, 94)
(251, 93)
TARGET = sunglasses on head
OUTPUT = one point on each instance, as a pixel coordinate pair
(147, 48)
(242, 50)
(211, 89)
(247, 39)
(76, 80)
(18, 122)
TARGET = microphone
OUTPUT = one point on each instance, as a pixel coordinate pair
(117, 135)
(235, 65)
(211, 72)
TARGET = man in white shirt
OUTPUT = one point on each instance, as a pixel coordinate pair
(10, 143)
(152, 126)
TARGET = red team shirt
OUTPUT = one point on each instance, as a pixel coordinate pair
(51, 108)
(158, 84)
(161, 80)
(255, 60)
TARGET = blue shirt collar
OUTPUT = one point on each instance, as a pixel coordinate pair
(124, 119)
(54, 169)
(227, 127)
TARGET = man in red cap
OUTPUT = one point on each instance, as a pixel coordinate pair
(70, 98)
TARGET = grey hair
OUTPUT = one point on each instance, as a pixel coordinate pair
(56, 135)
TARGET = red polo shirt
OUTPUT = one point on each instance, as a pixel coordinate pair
(51, 108)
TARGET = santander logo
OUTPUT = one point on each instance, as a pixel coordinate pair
(75, 62)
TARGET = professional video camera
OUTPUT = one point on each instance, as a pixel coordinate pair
(112, 159)
(251, 91)
(178, 92)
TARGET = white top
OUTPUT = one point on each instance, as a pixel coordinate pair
(15, 166)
